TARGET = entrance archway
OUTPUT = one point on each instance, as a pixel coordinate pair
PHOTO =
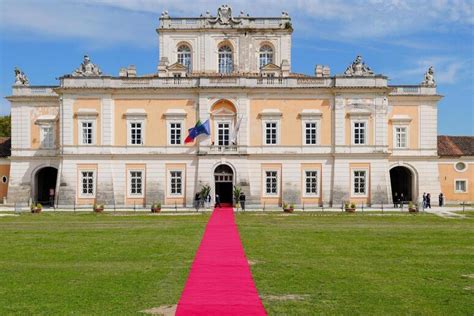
(45, 181)
(402, 180)
(224, 183)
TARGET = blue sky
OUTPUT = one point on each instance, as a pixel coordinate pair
(398, 38)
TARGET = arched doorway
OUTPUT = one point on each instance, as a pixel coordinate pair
(224, 183)
(45, 181)
(401, 179)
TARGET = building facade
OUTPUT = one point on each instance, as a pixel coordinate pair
(282, 137)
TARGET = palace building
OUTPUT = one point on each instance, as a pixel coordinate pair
(282, 137)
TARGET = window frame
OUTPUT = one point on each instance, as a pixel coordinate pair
(180, 54)
(169, 132)
(277, 180)
(395, 144)
(83, 195)
(317, 128)
(43, 136)
(465, 185)
(367, 182)
(93, 122)
(129, 131)
(318, 183)
(366, 131)
(129, 183)
(261, 52)
(264, 131)
(182, 184)
(218, 121)
(460, 170)
(228, 69)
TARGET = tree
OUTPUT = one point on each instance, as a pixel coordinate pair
(5, 126)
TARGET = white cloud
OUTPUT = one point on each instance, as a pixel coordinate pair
(126, 21)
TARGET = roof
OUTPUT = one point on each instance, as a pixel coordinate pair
(455, 146)
(5, 147)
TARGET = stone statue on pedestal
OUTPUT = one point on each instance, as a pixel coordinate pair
(20, 78)
(87, 68)
(429, 80)
(358, 68)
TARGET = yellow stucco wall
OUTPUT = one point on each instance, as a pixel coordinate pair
(291, 124)
(413, 127)
(155, 122)
(447, 177)
(89, 104)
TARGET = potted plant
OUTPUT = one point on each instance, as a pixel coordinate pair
(350, 207)
(237, 192)
(288, 208)
(36, 208)
(156, 207)
(98, 208)
(412, 208)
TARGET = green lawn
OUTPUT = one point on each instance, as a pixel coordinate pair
(362, 264)
(338, 263)
(87, 264)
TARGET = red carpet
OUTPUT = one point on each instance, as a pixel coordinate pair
(220, 281)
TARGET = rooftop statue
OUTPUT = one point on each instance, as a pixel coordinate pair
(20, 78)
(429, 80)
(358, 68)
(87, 68)
(224, 16)
(165, 15)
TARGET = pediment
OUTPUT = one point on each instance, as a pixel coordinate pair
(223, 112)
(270, 67)
(177, 67)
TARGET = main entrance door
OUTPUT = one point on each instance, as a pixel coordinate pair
(45, 185)
(224, 181)
(401, 180)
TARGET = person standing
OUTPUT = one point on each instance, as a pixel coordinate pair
(428, 200)
(242, 200)
(208, 201)
(51, 197)
(218, 201)
(402, 199)
(441, 199)
(395, 200)
(424, 199)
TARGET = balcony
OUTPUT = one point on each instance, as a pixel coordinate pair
(223, 150)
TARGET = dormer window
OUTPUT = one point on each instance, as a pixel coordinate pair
(266, 55)
(226, 65)
(184, 57)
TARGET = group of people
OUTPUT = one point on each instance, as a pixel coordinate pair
(427, 200)
(199, 202)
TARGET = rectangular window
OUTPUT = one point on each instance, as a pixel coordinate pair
(271, 133)
(461, 186)
(175, 133)
(400, 137)
(360, 182)
(47, 137)
(176, 182)
(136, 183)
(311, 182)
(87, 182)
(87, 132)
(310, 133)
(223, 134)
(136, 133)
(271, 182)
(359, 132)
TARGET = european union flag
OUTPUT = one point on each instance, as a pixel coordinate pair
(198, 129)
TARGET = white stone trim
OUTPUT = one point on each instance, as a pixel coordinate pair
(175, 114)
(46, 119)
(466, 166)
(401, 119)
(135, 114)
(87, 113)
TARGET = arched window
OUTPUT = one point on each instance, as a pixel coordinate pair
(184, 57)
(225, 60)
(266, 55)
